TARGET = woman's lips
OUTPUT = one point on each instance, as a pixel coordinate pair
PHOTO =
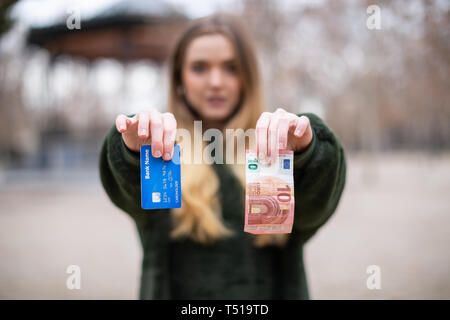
(216, 101)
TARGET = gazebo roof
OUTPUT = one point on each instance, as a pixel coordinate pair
(128, 30)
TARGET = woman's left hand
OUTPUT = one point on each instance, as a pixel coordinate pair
(281, 130)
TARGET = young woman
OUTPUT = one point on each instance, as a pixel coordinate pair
(200, 250)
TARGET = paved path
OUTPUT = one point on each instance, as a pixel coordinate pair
(395, 213)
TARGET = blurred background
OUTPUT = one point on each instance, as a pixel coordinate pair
(384, 92)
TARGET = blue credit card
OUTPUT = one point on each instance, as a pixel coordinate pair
(160, 180)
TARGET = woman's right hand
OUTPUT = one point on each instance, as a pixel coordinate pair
(149, 127)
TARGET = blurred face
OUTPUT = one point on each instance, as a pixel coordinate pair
(211, 78)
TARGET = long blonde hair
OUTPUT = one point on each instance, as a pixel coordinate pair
(200, 217)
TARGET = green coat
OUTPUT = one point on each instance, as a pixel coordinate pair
(231, 268)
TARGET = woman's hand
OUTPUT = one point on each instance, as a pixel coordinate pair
(281, 130)
(149, 127)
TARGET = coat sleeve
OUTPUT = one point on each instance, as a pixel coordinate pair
(120, 177)
(319, 179)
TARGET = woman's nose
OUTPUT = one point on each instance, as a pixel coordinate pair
(216, 78)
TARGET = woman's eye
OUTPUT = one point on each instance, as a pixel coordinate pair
(198, 68)
(231, 69)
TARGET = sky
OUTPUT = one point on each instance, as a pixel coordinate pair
(43, 12)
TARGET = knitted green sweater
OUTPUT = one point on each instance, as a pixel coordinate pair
(232, 268)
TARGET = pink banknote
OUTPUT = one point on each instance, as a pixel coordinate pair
(269, 194)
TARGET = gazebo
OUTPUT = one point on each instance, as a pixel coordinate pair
(128, 30)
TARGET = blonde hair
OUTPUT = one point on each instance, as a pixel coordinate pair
(200, 217)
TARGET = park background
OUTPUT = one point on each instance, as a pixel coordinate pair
(384, 91)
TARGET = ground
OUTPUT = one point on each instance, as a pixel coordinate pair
(394, 213)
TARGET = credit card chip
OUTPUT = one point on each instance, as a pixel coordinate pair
(156, 197)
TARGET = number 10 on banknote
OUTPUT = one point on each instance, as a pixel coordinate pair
(269, 194)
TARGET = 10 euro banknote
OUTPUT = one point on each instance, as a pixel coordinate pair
(269, 194)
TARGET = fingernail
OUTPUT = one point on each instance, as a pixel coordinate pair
(166, 156)
(297, 132)
(157, 154)
(122, 127)
(143, 132)
(262, 155)
(280, 145)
